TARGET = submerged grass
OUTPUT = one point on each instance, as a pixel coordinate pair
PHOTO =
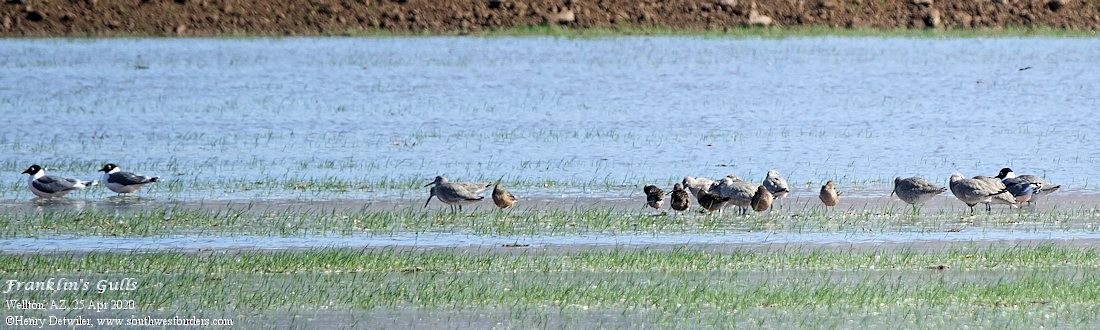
(979, 285)
(305, 220)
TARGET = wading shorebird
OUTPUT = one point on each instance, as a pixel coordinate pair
(710, 201)
(973, 191)
(915, 191)
(654, 197)
(124, 182)
(829, 196)
(698, 185)
(680, 199)
(501, 197)
(995, 184)
(738, 191)
(455, 194)
(48, 186)
(1045, 188)
(776, 185)
(762, 199)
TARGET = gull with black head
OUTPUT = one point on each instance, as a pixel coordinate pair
(49, 186)
(124, 182)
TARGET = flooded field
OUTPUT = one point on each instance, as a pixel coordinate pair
(296, 168)
(234, 119)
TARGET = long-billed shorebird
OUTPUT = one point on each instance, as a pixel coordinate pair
(654, 197)
(1045, 187)
(698, 185)
(47, 186)
(1005, 197)
(915, 191)
(501, 197)
(776, 185)
(828, 195)
(124, 182)
(738, 191)
(762, 199)
(680, 199)
(973, 191)
(711, 201)
(455, 194)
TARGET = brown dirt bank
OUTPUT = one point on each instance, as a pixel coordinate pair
(327, 17)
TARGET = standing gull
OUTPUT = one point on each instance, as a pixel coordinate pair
(124, 182)
(501, 197)
(915, 191)
(654, 197)
(829, 196)
(47, 186)
(455, 194)
(973, 191)
(1021, 189)
(680, 199)
(1045, 187)
(776, 185)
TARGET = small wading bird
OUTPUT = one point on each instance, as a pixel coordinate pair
(972, 191)
(829, 196)
(1005, 197)
(47, 186)
(776, 185)
(680, 199)
(738, 191)
(710, 201)
(124, 182)
(762, 199)
(654, 197)
(455, 194)
(1045, 188)
(501, 197)
(915, 191)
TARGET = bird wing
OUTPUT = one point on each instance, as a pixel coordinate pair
(52, 184)
(127, 178)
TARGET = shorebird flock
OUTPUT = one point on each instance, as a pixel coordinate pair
(1004, 188)
(710, 195)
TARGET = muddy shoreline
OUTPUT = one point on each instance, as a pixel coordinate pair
(41, 18)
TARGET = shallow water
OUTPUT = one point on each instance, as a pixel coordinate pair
(64, 243)
(365, 118)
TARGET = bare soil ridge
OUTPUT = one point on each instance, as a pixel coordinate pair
(334, 17)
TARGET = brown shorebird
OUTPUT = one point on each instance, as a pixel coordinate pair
(915, 191)
(762, 199)
(501, 197)
(829, 196)
(710, 201)
(680, 199)
(972, 191)
(654, 197)
(738, 191)
(455, 194)
(1005, 197)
